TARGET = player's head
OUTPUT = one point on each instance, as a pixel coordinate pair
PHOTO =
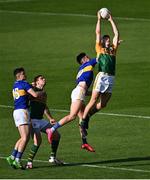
(105, 41)
(19, 73)
(39, 81)
(82, 58)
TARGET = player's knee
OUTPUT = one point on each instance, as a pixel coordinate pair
(25, 139)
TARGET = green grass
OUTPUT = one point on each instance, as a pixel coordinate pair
(48, 44)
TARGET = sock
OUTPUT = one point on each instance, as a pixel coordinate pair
(54, 147)
(84, 141)
(82, 123)
(18, 156)
(56, 126)
(32, 152)
(13, 154)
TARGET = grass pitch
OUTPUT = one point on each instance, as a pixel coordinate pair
(44, 36)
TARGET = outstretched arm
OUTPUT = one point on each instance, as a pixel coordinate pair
(115, 31)
(98, 28)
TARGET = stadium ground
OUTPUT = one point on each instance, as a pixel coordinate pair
(44, 36)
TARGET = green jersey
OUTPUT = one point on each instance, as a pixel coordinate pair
(106, 63)
(37, 107)
(106, 59)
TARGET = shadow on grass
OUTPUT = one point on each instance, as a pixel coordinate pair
(123, 160)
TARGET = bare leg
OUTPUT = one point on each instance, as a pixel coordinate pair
(17, 144)
(92, 102)
(104, 98)
(24, 133)
(74, 109)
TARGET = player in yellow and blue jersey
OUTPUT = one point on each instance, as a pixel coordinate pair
(83, 81)
(21, 89)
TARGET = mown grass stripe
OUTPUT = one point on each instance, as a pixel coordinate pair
(99, 113)
(70, 14)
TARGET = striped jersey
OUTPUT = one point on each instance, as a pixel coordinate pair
(85, 72)
(20, 95)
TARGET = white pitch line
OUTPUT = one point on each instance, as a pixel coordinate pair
(69, 14)
(95, 166)
(5, 106)
(117, 168)
(99, 113)
(46, 13)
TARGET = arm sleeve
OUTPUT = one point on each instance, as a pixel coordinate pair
(27, 86)
(93, 62)
(98, 48)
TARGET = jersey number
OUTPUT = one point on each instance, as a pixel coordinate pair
(16, 94)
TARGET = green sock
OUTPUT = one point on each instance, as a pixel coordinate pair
(54, 147)
(32, 152)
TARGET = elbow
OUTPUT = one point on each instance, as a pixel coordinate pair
(117, 34)
(97, 32)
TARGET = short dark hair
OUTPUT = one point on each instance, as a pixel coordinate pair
(80, 56)
(103, 39)
(37, 77)
(18, 70)
(106, 36)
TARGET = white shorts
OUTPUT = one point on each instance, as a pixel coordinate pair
(103, 83)
(78, 93)
(21, 116)
(39, 125)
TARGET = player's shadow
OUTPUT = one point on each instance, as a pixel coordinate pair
(122, 160)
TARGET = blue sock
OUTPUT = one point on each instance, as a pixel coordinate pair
(18, 156)
(14, 153)
(56, 126)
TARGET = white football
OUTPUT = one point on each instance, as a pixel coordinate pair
(104, 13)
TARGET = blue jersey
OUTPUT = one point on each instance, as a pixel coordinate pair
(20, 95)
(85, 72)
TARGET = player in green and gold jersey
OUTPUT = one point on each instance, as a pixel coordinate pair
(104, 81)
(38, 108)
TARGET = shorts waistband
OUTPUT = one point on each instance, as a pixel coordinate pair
(106, 74)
